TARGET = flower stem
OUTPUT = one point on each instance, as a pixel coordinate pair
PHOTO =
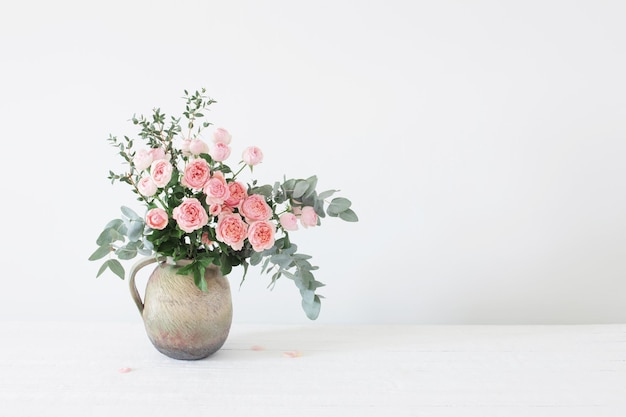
(240, 169)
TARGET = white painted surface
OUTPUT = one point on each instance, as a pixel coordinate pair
(482, 144)
(73, 369)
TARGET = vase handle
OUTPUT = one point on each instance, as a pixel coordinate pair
(131, 281)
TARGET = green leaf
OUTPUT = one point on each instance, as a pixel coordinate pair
(109, 236)
(117, 224)
(288, 186)
(100, 253)
(348, 215)
(308, 296)
(318, 206)
(312, 181)
(337, 205)
(265, 190)
(306, 277)
(326, 194)
(225, 265)
(300, 188)
(128, 212)
(265, 264)
(283, 260)
(126, 252)
(312, 309)
(255, 258)
(316, 284)
(135, 230)
(114, 265)
(198, 277)
(102, 269)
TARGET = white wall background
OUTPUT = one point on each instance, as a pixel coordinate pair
(481, 142)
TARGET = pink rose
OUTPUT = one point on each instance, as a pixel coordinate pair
(252, 156)
(196, 174)
(161, 172)
(288, 221)
(190, 215)
(255, 208)
(158, 153)
(142, 159)
(156, 218)
(216, 189)
(308, 218)
(215, 209)
(205, 239)
(196, 147)
(146, 187)
(185, 147)
(261, 235)
(238, 193)
(221, 135)
(220, 152)
(232, 230)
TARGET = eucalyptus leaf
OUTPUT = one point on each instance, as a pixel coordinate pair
(265, 264)
(147, 245)
(306, 277)
(265, 190)
(109, 236)
(102, 268)
(128, 212)
(308, 296)
(283, 260)
(135, 230)
(312, 310)
(318, 206)
(117, 224)
(348, 215)
(116, 267)
(288, 186)
(312, 181)
(100, 253)
(300, 188)
(289, 275)
(340, 204)
(315, 285)
(145, 252)
(289, 250)
(324, 195)
(125, 252)
(255, 258)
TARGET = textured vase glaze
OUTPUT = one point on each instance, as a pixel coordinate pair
(182, 321)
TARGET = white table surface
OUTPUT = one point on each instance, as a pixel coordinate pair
(74, 369)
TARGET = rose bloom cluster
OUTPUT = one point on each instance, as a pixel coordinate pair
(235, 215)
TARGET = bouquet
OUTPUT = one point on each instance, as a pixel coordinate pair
(197, 207)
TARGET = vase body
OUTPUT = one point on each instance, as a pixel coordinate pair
(182, 321)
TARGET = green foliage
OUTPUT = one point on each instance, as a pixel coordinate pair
(124, 238)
